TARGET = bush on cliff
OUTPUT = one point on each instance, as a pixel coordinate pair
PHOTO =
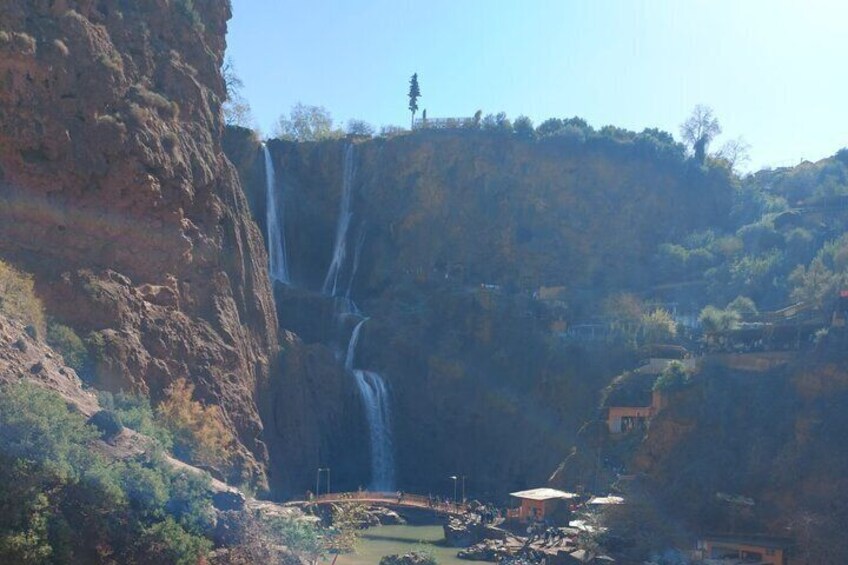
(200, 433)
(135, 412)
(66, 341)
(673, 378)
(18, 299)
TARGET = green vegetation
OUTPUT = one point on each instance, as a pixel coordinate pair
(135, 412)
(637, 323)
(414, 94)
(714, 320)
(67, 343)
(307, 123)
(63, 502)
(673, 378)
(347, 521)
(17, 298)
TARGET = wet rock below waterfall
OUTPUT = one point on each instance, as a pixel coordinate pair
(381, 516)
(411, 558)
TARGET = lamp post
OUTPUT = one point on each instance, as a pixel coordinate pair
(463, 489)
(454, 477)
(318, 480)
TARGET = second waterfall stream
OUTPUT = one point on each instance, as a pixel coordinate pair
(376, 402)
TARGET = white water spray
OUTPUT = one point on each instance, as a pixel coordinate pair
(278, 263)
(375, 399)
(331, 282)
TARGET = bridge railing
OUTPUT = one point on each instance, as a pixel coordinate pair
(391, 498)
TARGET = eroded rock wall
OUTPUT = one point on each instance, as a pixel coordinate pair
(115, 193)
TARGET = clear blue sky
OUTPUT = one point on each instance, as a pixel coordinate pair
(774, 71)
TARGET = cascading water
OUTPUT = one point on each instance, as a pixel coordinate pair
(357, 252)
(331, 282)
(375, 399)
(278, 263)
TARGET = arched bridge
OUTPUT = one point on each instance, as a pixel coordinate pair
(389, 499)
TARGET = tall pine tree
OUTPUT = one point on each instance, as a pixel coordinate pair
(414, 94)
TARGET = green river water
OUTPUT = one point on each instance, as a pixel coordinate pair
(386, 540)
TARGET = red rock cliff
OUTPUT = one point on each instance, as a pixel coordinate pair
(114, 191)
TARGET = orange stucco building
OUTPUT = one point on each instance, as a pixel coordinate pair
(539, 503)
(622, 419)
(763, 550)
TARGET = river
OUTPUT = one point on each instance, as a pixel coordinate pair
(386, 540)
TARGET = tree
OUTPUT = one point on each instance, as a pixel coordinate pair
(307, 123)
(235, 108)
(414, 95)
(735, 152)
(699, 130)
(347, 521)
(715, 320)
(523, 127)
(360, 127)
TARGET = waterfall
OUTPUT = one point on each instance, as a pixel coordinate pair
(356, 253)
(351, 346)
(375, 399)
(331, 282)
(278, 265)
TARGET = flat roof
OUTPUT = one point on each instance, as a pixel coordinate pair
(606, 500)
(543, 494)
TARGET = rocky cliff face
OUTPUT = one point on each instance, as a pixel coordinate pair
(755, 452)
(115, 193)
(451, 234)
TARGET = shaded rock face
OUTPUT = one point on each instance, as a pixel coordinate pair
(759, 452)
(455, 231)
(115, 192)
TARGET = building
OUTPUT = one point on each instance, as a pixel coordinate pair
(622, 419)
(539, 503)
(735, 549)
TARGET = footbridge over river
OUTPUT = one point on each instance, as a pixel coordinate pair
(388, 499)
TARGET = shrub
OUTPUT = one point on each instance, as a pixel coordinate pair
(674, 377)
(658, 326)
(360, 127)
(200, 432)
(298, 535)
(743, 305)
(715, 320)
(66, 341)
(108, 423)
(136, 413)
(18, 299)
(168, 542)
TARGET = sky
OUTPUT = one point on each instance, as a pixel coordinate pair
(774, 71)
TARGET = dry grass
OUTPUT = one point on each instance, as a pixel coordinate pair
(18, 299)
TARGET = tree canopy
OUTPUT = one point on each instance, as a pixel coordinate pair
(414, 95)
(307, 123)
(699, 130)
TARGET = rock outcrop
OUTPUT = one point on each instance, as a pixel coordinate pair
(115, 193)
